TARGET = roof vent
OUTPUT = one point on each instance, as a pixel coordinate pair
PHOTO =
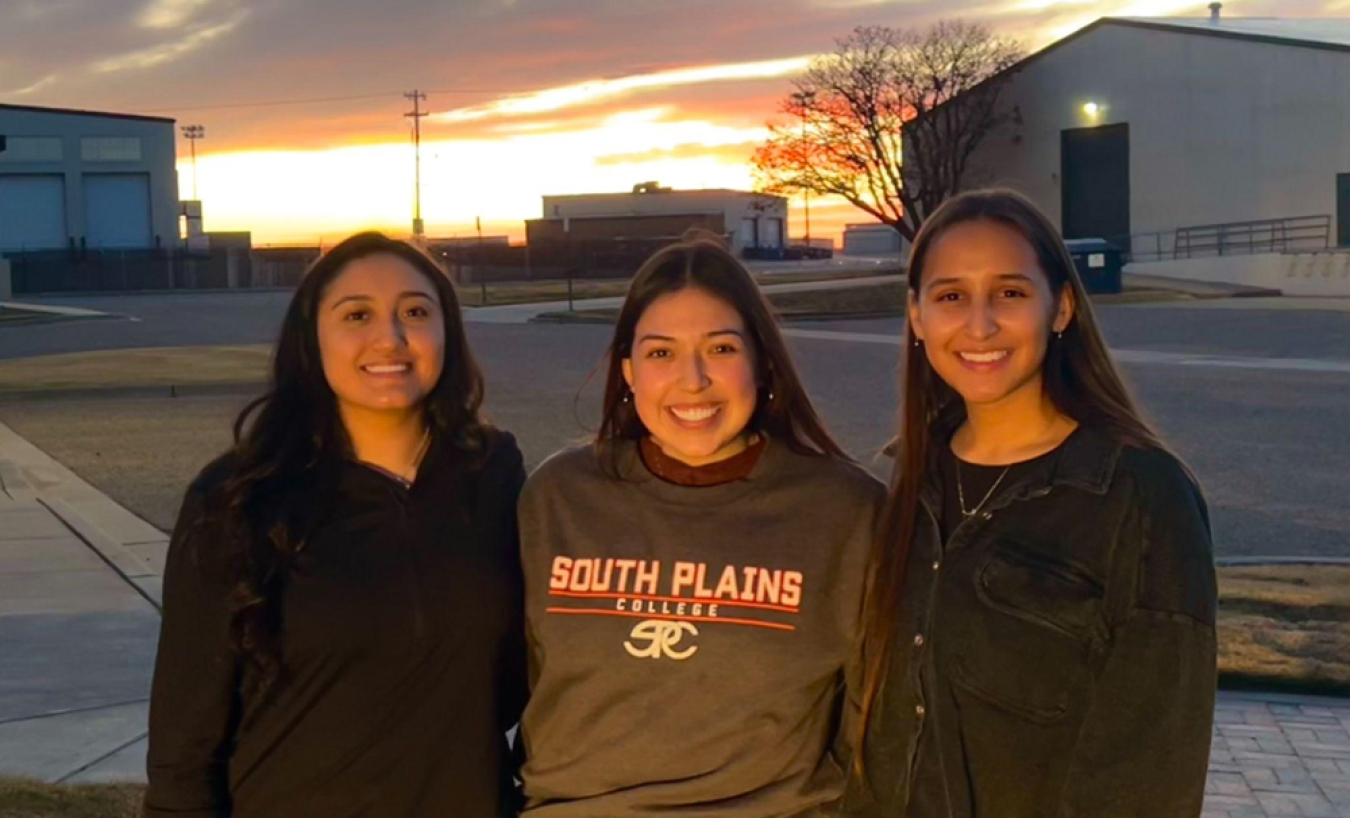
(1214, 9)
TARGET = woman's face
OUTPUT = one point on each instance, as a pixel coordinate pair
(692, 373)
(985, 312)
(381, 335)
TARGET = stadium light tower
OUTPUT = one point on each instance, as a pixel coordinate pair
(192, 133)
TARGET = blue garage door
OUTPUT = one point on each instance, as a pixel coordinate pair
(117, 210)
(32, 212)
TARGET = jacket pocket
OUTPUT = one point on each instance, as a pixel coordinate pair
(1043, 590)
(1037, 621)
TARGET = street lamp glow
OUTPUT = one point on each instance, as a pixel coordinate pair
(1092, 109)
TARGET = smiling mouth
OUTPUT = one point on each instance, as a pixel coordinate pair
(695, 414)
(990, 357)
(387, 369)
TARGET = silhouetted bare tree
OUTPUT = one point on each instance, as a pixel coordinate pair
(889, 121)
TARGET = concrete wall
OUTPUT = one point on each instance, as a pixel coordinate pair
(1308, 274)
(1221, 129)
(157, 160)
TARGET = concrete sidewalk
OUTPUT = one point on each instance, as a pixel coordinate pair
(79, 590)
(79, 619)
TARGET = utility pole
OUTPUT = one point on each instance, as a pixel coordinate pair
(416, 114)
(192, 133)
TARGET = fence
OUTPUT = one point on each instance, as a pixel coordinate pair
(1289, 235)
(66, 271)
(75, 270)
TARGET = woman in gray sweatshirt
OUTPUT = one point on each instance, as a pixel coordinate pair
(694, 577)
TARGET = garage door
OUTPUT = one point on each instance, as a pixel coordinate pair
(32, 212)
(117, 210)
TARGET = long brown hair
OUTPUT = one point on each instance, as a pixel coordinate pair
(783, 411)
(290, 442)
(1077, 373)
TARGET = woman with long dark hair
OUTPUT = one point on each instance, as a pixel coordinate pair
(1040, 634)
(342, 629)
(694, 577)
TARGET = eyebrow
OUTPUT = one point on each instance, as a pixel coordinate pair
(401, 296)
(1003, 277)
(651, 336)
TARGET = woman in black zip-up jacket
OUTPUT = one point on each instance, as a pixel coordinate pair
(1040, 636)
(342, 630)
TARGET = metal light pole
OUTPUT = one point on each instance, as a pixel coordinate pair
(803, 100)
(192, 133)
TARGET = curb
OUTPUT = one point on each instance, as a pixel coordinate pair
(127, 565)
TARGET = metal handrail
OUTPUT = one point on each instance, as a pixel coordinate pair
(1292, 234)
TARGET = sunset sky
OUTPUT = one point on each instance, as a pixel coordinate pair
(302, 99)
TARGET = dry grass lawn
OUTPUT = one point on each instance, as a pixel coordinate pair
(136, 367)
(23, 798)
(529, 292)
(1285, 626)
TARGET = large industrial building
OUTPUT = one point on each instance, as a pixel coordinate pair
(747, 220)
(83, 179)
(1172, 134)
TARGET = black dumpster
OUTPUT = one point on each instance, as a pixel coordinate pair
(1098, 262)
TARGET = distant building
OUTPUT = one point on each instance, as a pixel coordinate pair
(1149, 127)
(872, 240)
(86, 179)
(747, 220)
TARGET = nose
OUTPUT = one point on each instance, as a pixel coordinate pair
(388, 334)
(694, 374)
(980, 320)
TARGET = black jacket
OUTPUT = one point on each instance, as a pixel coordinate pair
(401, 642)
(1057, 656)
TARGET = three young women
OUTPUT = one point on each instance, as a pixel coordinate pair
(342, 598)
(1041, 640)
(694, 576)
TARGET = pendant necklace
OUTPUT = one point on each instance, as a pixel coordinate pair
(961, 492)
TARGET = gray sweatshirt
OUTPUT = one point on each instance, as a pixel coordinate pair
(690, 646)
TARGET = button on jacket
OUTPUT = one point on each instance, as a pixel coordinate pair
(402, 651)
(1056, 657)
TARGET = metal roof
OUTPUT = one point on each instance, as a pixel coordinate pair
(80, 112)
(1310, 31)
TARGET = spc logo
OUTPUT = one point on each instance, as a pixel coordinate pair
(660, 637)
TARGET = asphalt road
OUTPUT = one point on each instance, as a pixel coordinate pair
(1256, 400)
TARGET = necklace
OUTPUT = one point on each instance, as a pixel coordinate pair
(416, 461)
(961, 492)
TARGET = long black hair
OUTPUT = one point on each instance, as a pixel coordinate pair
(290, 442)
(1077, 374)
(783, 411)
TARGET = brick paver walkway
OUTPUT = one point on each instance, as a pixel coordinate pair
(1279, 756)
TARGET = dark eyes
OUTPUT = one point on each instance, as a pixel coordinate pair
(416, 313)
(952, 296)
(719, 349)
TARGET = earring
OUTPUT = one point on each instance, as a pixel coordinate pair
(626, 396)
(1060, 335)
(770, 396)
(917, 342)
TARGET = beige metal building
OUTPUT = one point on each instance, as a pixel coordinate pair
(86, 179)
(748, 220)
(1184, 129)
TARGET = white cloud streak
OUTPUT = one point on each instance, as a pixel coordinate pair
(168, 52)
(591, 91)
(169, 13)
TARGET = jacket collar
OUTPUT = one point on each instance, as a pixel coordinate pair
(1086, 461)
